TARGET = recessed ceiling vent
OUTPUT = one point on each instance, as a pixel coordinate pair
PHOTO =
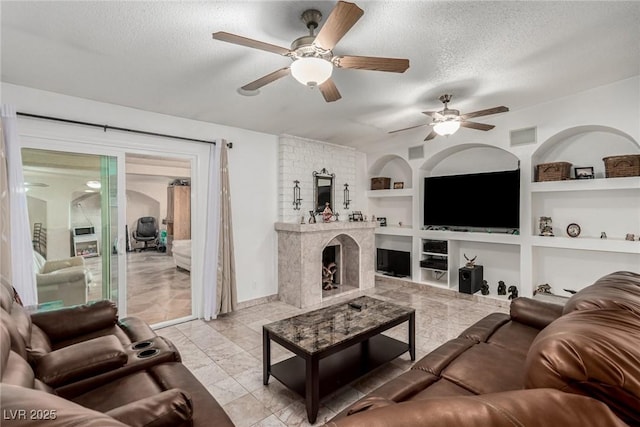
(416, 152)
(523, 136)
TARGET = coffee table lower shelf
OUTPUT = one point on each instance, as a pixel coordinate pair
(341, 368)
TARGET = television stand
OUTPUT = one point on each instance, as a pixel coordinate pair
(391, 274)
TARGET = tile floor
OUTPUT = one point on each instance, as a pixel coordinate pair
(156, 290)
(226, 354)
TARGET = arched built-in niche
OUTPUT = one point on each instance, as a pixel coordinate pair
(469, 158)
(585, 146)
(394, 167)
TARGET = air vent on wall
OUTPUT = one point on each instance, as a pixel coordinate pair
(523, 136)
(416, 152)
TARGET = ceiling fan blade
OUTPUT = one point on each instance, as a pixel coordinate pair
(410, 127)
(340, 20)
(431, 135)
(488, 111)
(330, 91)
(393, 65)
(243, 41)
(265, 80)
(475, 125)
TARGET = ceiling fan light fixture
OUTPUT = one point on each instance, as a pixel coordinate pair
(446, 128)
(311, 71)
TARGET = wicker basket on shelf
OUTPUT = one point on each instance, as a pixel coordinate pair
(621, 166)
(380, 183)
(557, 171)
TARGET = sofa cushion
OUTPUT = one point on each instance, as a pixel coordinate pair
(70, 322)
(591, 352)
(82, 360)
(616, 290)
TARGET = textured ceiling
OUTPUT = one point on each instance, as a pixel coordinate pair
(159, 56)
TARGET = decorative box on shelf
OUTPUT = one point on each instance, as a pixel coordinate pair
(380, 183)
(622, 166)
(557, 171)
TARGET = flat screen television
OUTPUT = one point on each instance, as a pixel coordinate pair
(489, 200)
(393, 263)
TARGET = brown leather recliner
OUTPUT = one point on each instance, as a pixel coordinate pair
(89, 363)
(540, 365)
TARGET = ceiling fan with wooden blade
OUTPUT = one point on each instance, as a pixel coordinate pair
(312, 56)
(448, 121)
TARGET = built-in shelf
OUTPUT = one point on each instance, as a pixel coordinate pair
(469, 236)
(588, 244)
(395, 231)
(627, 183)
(404, 192)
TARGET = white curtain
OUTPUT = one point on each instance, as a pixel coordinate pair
(22, 273)
(212, 237)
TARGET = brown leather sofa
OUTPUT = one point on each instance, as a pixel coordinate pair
(83, 366)
(542, 364)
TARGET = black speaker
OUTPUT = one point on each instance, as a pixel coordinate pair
(470, 279)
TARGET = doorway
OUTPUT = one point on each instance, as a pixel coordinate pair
(158, 190)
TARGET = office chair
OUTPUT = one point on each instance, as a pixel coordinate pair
(146, 231)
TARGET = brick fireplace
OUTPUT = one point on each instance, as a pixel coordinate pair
(304, 248)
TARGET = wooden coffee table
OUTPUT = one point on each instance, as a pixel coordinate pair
(335, 345)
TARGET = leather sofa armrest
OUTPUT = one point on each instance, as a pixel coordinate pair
(81, 360)
(136, 329)
(169, 408)
(26, 407)
(537, 314)
(70, 322)
(537, 407)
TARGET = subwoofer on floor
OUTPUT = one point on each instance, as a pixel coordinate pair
(470, 279)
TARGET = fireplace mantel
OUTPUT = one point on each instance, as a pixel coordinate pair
(323, 226)
(300, 249)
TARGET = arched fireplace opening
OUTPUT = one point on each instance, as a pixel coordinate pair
(340, 266)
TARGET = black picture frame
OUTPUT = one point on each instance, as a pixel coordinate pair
(583, 172)
(382, 221)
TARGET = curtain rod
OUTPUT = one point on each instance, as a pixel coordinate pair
(106, 127)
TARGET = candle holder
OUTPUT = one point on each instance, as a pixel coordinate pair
(346, 198)
(297, 201)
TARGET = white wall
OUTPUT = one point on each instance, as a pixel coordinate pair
(252, 164)
(299, 158)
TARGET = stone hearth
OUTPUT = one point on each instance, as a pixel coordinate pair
(300, 249)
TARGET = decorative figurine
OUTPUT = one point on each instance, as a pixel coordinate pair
(603, 235)
(470, 262)
(513, 292)
(630, 236)
(542, 289)
(484, 288)
(545, 226)
(312, 217)
(327, 213)
(373, 218)
(302, 219)
(502, 288)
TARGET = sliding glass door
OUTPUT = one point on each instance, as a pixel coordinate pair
(72, 201)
